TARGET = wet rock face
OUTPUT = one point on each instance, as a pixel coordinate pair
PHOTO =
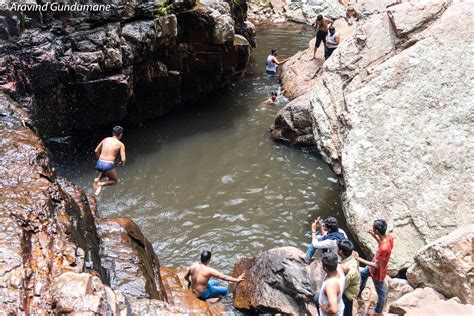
(445, 265)
(392, 120)
(276, 281)
(47, 227)
(85, 293)
(128, 65)
(48, 239)
(426, 301)
(131, 263)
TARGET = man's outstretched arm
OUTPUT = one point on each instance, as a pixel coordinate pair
(224, 277)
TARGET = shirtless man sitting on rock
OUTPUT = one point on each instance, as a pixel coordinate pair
(198, 277)
(106, 153)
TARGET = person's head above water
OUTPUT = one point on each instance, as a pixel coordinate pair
(332, 29)
(274, 52)
(274, 95)
(329, 261)
(117, 131)
(205, 257)
(319, 18)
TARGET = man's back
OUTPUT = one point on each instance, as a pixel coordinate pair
(110, 148)
(200, 275)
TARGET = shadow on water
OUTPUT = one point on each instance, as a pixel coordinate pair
(207, 177)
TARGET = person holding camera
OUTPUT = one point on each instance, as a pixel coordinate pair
(324, 235)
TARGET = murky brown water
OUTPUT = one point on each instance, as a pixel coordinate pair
(210, 178)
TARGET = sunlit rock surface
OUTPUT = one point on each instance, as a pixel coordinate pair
(391, 112)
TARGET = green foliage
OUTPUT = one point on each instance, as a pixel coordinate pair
(165, 9)
(235, 3)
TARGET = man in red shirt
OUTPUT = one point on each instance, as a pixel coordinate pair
(377, 268)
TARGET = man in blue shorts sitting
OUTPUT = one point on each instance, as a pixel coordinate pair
(198, 277)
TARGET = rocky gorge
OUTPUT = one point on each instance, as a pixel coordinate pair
(360, 109)
(58, 256)
(58, 65)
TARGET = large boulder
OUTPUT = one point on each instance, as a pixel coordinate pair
(426, 301)
(84, 293)
(132, 265)
(47, 227)
(446, 265)
(394, 122)
(276, 281)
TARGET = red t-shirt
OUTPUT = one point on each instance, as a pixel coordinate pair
(383, 255)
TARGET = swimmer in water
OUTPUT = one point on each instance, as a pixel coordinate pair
(272, 99)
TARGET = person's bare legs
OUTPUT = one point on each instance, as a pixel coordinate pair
(112, 179)
(314, 52)
(96, 180)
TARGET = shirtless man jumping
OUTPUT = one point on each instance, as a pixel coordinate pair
(106, 153)
(198, 279)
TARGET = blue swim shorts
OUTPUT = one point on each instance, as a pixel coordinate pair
(104, 166)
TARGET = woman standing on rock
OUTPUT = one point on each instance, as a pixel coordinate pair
(272, 63)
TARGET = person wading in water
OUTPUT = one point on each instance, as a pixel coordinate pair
(273, 63)
(321, 25)
(198, 277)
(106, 153)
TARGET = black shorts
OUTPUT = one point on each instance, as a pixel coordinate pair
(328, 52)
(320, 36)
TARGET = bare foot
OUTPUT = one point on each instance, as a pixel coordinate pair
(213, 300)
(98, 189)
(96, 183)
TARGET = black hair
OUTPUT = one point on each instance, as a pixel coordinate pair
(274, 51)
(274, 93)
(380, 226)
(117, 130)
(332, 28)
(320, 17)
(205, 256)
(329, 261)
(331, 224)
(346, 246)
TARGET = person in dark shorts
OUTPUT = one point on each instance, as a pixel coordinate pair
(106, 153)
(332, 42)
(322, 24)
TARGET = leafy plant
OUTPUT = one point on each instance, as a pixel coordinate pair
(165, 9)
